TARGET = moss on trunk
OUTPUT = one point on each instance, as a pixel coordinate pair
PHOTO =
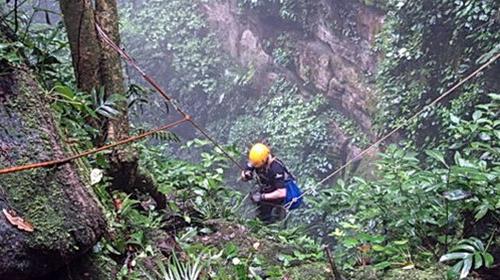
(66, 218)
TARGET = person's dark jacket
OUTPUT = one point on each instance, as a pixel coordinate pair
(271, 176)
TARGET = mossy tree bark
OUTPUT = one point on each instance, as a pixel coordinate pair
(96, 64)
(111, 70)
(102, 66)
(66, 218)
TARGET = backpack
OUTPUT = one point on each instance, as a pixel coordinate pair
(292, 189)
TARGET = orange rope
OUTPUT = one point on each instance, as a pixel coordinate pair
(91, 151)
(105, 38)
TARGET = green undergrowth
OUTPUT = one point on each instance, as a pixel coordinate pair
(429, 211)
(430, 273)
(427, 48)
(203, 227)
(255, 252)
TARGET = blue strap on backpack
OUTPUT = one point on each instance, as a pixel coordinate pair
(293, 191)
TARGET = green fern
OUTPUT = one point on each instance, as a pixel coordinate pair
(176, 270)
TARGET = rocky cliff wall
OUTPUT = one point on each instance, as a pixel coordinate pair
(334, 57)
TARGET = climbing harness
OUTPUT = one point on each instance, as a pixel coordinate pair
(293, 197)
(292, 189)
(187, 118)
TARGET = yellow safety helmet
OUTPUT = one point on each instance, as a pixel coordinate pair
(258, 155)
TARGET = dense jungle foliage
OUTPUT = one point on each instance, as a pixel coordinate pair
(199, 70)
(427, 206)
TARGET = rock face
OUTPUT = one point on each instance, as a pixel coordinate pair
(325, 61)
(67, 220)
(332, 56)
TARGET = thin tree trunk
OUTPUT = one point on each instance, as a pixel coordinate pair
(103, 65)
(85, 49)
(112, 73)
(79, 20)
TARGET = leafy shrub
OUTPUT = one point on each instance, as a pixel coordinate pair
(427, 47)
(283, 52)
(421, 204)
(295, 127)
(471, 253)
(197, 185)
(177, 270)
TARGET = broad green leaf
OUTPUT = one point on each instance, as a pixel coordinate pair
(478, 260)
(457, 157)
(477, 115)
(350, 242)
(488, 259)
(497, 133)
(65, 91)
(437, 156)
(110, 248)
(378, 248)
(464, 248)
(408, 266)
(481, 212)
(484, 137)
(457, 267)
(455, 195)
(453, 256)
(477, 243)
(377, 239)
(466, 267)
(401, 242)
(454, 119)
(494, 96)
(382, 265)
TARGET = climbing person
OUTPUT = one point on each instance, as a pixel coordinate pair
(277, 186)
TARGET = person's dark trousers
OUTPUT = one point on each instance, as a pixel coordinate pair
(270, 211)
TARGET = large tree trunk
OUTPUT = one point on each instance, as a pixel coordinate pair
(79, 18)
(66, 218)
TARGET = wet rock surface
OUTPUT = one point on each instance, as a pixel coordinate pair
(325, 62)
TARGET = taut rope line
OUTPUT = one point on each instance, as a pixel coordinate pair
(105, 38)
(91, 151)
(385, 137)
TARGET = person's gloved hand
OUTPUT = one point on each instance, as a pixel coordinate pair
(256, 197)
(246, 175)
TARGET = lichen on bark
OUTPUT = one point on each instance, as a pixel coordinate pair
(66, 218)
